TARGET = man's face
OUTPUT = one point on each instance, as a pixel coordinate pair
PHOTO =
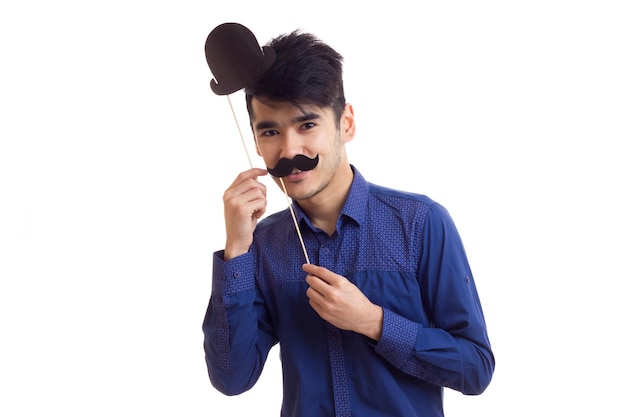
(282, 130)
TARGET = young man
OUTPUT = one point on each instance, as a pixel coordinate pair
(386, 314)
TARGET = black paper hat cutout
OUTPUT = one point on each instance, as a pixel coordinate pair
(235, 58)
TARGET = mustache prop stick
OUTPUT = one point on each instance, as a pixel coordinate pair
(236, 61)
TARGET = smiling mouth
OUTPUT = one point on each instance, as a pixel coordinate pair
(295, 172)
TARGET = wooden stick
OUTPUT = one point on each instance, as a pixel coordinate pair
(239, 129)
(295, 222)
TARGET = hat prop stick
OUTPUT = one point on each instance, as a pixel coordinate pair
(236, 61)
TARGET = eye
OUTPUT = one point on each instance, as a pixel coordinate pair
(269, 133)
(308, 125)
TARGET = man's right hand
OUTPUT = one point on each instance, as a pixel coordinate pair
(244, 203)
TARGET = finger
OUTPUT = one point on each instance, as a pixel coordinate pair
(259, 213)
(317, 284)
(314, 295)
(244, 181)
(252, 173)
(245, 192)
(323, 273)
(313, 269)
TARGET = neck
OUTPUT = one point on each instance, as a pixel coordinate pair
(323, 209)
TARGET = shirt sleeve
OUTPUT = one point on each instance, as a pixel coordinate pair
(454, 351)
(236, 343)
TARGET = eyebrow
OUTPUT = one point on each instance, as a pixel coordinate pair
(300, 119)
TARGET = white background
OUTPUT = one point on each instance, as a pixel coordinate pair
(114, 154)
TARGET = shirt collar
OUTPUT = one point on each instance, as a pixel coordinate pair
(355, 206)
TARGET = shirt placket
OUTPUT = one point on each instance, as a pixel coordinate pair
(338, 372)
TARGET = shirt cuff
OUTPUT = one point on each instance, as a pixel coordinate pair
(397, 339)
(234, 275)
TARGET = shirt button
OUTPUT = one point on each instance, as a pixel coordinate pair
(236, 274)
(325, 251)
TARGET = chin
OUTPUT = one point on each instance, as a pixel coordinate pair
(302, 196)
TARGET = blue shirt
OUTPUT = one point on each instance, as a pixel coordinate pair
(404, 253)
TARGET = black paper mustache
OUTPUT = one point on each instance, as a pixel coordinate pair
(286, 166)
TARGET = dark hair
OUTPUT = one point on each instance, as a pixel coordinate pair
(306, 71)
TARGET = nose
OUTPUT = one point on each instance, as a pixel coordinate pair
(291, 144)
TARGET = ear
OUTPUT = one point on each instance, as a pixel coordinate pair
(348, 124)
